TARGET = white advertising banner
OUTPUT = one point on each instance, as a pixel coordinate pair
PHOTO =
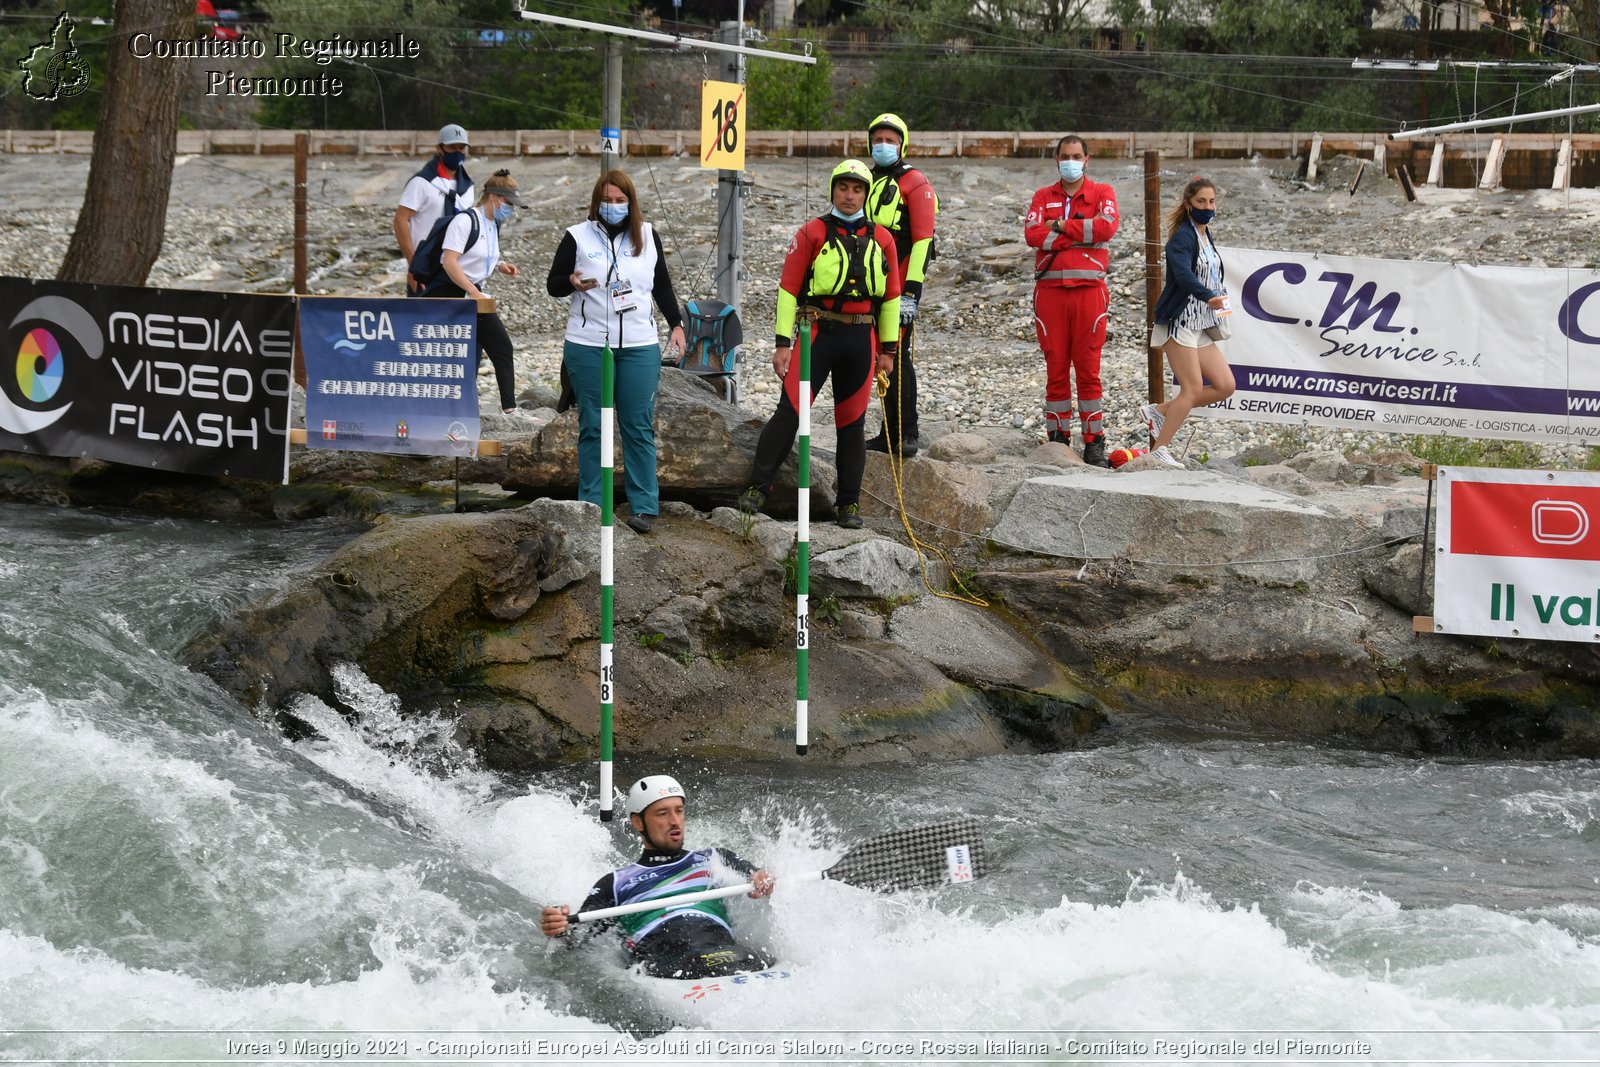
(1518, 554)
(1414, 347)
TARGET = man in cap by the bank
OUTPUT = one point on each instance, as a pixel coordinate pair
(442, 187)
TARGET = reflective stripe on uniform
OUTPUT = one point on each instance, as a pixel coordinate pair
(1088, 275)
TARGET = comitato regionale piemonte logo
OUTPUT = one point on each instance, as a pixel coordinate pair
(54, 69)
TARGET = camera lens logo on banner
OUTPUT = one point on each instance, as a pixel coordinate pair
(64, 333)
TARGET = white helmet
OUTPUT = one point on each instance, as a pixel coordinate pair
(646, 791)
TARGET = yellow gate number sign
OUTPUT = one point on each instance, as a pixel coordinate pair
(722, 125)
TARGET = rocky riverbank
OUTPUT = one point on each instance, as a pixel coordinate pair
(1269, 587)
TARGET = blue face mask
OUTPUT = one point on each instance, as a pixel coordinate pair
(615, 214)
(1071, 169)
(453, 160)
(857, 217)
(885, 154)
(502, 213)
(1202, 218)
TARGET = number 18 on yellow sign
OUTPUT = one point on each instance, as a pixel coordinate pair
(722, 125)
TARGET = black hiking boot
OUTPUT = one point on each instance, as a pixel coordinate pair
(1094, 452)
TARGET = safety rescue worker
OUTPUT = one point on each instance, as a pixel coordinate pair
(902, 201)
(1071, 223)
(842, 281)
(686, 941)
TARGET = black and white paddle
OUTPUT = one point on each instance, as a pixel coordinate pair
(923, 857)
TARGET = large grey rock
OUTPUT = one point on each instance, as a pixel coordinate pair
(948, 503)
(704, 450)
(1168, 521)
(963, 448)
(872, 567)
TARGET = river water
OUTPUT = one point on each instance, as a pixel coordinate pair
(179, 881)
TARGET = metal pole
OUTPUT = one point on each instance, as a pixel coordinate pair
(802, 570)
(677, 40)
(1156, 380)
(608, 388)
(613, 105)
(1509, 120)
(730, 206)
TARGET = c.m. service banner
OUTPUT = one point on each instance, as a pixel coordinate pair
(1518, 554)
(386, 375)
(175, 379)
(1414, 347)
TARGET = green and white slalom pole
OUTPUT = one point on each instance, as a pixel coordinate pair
(608, 401)
(802, 572)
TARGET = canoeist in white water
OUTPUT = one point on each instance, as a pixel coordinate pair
(687, 941)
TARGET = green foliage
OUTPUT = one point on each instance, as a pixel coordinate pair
(791, 96)
(535, 76)
(651, 640)
(791, 570)
(1214, 91)
(827, 609)
(1450, 451)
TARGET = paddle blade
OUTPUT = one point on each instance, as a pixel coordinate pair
(923, 857)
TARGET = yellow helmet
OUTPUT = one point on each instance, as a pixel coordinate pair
(854, 170)
(895, 123)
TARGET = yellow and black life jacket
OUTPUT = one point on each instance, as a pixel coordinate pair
(848, 266)
(886, 206)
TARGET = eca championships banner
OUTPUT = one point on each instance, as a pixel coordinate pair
(1518, 554)
(391, 375)
(1414, 347)
(174, 379)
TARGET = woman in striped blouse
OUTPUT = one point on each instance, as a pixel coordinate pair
(1190, 317)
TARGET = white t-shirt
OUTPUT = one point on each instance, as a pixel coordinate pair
(426, 198)
(479, 261)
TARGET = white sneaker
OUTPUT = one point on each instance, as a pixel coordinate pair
(1167, 457)
(1152, 419)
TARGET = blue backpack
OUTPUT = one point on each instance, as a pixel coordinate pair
(712, 336)
(427, 266)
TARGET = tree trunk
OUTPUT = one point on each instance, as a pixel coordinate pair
(124, 214)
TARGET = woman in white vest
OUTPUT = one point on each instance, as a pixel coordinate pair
(612, 268)
(471, 254)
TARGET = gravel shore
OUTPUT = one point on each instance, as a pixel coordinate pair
(230, 227)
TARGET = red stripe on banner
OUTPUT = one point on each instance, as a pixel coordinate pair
(1538, 521)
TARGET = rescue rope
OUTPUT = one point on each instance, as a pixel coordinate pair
(897, 475)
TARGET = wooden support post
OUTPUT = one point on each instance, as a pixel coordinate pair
(1494, 164)
(1156, 387)
(1380, 156)
(1315, 158)
(1403, 172)
(1436, 167)
(1563, 177)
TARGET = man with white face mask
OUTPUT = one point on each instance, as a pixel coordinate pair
(1071, 223)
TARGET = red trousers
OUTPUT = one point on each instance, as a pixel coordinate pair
(1071, 324)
